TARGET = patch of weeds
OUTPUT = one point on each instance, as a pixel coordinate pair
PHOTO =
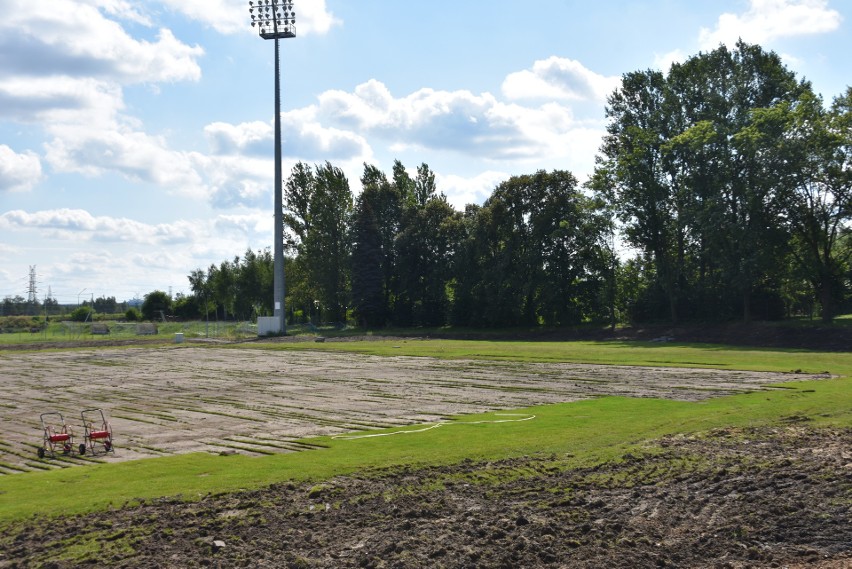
(362, 498)
(324, 492)
(646, 469)
(413, 489)
(93, 547)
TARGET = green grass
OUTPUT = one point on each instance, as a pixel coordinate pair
(78, 331)
(609, 353)
(585, 433)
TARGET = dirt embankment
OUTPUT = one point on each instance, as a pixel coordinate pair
(756, 498)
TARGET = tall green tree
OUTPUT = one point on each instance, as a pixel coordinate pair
(695, 189)
(222, 280)
(425, 252)
(424, 185)
(403, 183)
(742, 206)
(253, 284)
(13, 305)
(369, 301)
(378, 216)
(424, 248)
(318, 207)
(105, 305)
(299, 191)
(464, 290)
(539, 243)
(638, 182)
(811, 150)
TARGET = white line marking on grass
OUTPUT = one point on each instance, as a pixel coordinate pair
(440, 424)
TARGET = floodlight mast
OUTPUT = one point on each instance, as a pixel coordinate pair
(275, 19)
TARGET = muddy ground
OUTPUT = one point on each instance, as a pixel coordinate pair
(190, 398)
(773, 497)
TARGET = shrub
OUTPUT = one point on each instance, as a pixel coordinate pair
(82, 314)
(156, 305)
(19, 324)
(133, 315)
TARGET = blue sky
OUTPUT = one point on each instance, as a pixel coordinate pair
(136, 136)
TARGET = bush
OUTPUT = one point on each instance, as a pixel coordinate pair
(82, 314)
(156, 305)
(186, 308)
(19, 324)
(133, 315)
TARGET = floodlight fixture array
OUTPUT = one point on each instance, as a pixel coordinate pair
(274, 19)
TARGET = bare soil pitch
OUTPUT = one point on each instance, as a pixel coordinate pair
(187, 398)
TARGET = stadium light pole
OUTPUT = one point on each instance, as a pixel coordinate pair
(275, 20)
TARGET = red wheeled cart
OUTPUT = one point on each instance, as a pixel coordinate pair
(97, 432)
(58, 437)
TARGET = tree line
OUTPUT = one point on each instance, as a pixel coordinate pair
(49, 306)
(536, 252)
(728, 178)
(733, 180)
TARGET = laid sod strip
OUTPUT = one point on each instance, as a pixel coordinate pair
(608, 353)
(586, 433)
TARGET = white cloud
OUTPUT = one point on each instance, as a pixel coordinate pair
(130, 253)
(80, 225)
(135, 155)
(310, 140)
(339, 126)
(456, 121)
(302, 137)
(239, 170)
(767, 20)
(59, 99)
(557, 78)
(18, 172)
(70, 38)
(124, 274)
(248, 224)
(121, 256)
(252, 138)
(228, 16)
(461, 191)
(65, 63)
(124, 10)
(237, 181)
(664, 62)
